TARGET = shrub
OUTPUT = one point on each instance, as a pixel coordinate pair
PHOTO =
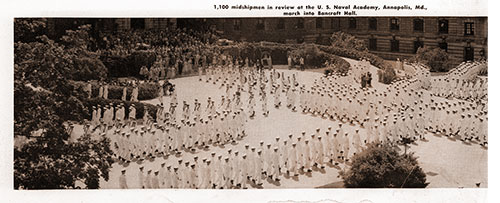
(386, 75)
(313, 57)
(139, 106)
(128, 65)
(140, 58)
(147, 91)
(381, 166)
(117, 66)
(435, 58)
(339, 64)
(87, 68)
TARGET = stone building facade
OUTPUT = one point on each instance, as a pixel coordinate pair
(464, 38)
(57, 26)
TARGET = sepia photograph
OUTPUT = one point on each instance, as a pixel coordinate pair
(250, 102)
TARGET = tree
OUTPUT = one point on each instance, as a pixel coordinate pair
(435, 58)
(346, 41)
(381, 166)
(44, 101)
(27, 29)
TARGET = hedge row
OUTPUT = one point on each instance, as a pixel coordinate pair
(279, 52)
(147, 91)
(128, 65)
(139, 106)
(87, 68)
(314, 56)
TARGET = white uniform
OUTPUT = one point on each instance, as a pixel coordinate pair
(123, 182)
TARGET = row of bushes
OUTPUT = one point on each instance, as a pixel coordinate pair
(355, 54)
(139, 106)
(313, 56)
(147, 91)
(87, 68)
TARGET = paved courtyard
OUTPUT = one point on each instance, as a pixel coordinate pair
(446, 162)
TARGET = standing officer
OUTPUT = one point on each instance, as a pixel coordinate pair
(123, 180)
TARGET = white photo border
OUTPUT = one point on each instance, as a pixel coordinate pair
(204, 8)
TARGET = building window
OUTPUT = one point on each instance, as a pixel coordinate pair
(260, 24)
(418, 25)
(395, 45)
(372, 44)
(300, 23)
(372, 23)
(443, 26)
(468, 54)
(237, 24)
(137, 23)
(352, 23)
(469, 28)
(443, 46)
(319, 23)
(394, 24)
(417, 44)
(281, 24)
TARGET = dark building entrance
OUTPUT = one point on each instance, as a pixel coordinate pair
(417, 44)
(468, 54)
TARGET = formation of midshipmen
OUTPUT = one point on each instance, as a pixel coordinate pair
(103, 91)
(403, 109)
(460, 83)
(289, 157)
(196, 128)
(257, 85)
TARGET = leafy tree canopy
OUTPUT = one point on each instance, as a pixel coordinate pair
(346, 41)
(436, 58)
(44, 101)
(381, 166)
(27, 29)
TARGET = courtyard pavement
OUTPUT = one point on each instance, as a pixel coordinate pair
(447, 163)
